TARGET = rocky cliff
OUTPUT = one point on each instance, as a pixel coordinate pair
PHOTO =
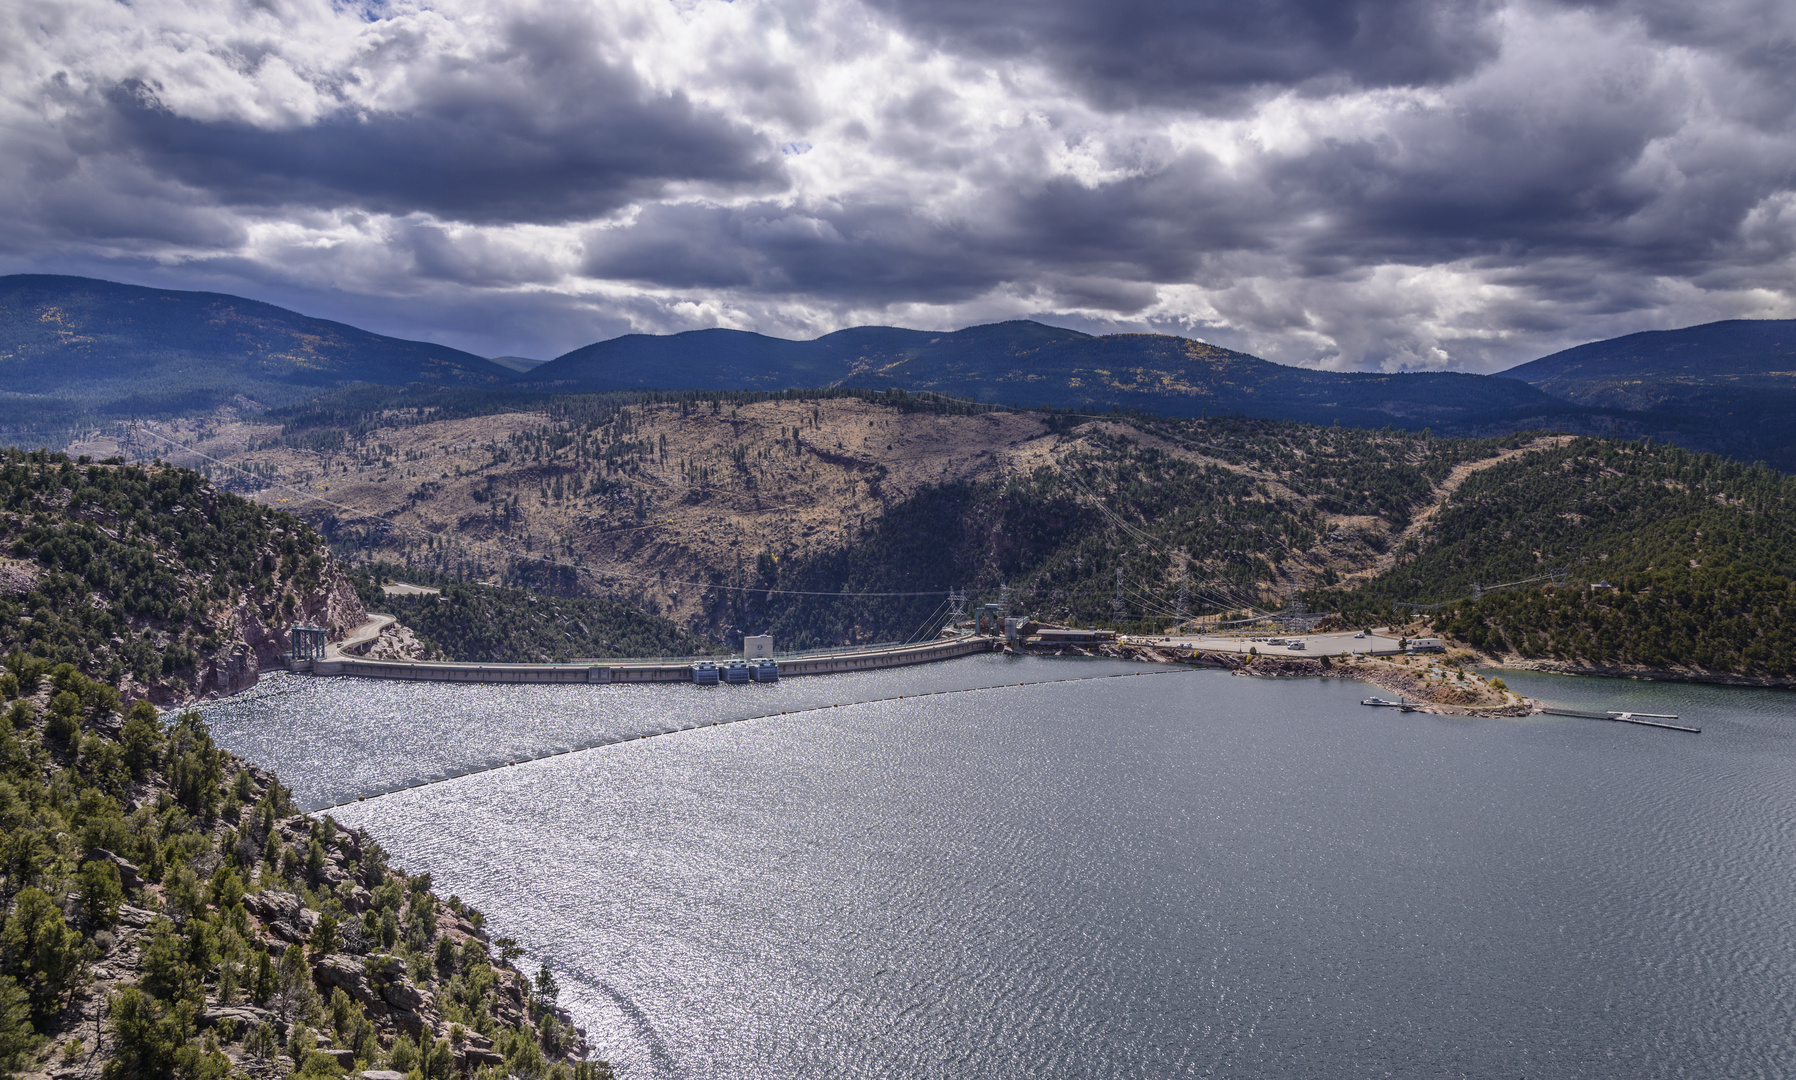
(153, 581)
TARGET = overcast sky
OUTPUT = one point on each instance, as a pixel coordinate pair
(1338, 183)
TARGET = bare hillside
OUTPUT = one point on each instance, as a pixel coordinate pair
(662, 499)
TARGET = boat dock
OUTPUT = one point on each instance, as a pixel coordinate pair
(1643, 719)
(1657, 720)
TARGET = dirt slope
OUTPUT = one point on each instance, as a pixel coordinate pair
(666, 496)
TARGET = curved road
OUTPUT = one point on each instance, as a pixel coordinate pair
(361, 635)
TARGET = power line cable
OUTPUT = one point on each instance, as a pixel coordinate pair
(923, 630)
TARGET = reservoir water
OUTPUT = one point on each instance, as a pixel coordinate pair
(1177, 873)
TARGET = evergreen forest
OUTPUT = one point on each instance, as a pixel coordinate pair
(1627, 554)
(165, 913)
(488, 624)
(141, 572)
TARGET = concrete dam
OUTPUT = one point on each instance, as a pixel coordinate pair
(326, 660)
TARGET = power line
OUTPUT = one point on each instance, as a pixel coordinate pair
(1556, 575)
(923, 630)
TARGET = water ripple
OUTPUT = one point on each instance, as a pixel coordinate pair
(1192, 876)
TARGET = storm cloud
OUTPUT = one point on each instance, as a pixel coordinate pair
(535, 125)
(1365, 183)
(1218, 52)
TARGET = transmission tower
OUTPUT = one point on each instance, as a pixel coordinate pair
(1004, 600)
(1183, 609)
(1117, 608)
(958, 610)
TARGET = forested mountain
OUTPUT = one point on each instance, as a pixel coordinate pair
(1029, 364)
(487, 624)
(164, 912)
(1727, 387)
(1724, 386)
(1627, 554)
(724, 511)
(76, 350)
(1651, 369)
(75, 347)
(149, 579)
(707, 507)
(1244, 512)
(1666, 559)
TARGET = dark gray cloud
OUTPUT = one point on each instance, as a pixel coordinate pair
(1567, 181)
(539, 127)
(1217, 52)
(1061, 235)
(851, 250)
(1359, 183)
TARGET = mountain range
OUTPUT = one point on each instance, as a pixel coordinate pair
(77, 348)
(1729, 387)
(73, 347)
(1029, 364)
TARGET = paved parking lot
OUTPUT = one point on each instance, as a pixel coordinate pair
(1314, 644)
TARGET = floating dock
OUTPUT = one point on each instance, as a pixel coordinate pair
(1643, 719)
(1657, 720)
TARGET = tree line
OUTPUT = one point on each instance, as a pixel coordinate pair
(132, 570)
(1667, 558)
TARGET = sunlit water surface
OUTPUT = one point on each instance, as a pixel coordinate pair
(1176, 874)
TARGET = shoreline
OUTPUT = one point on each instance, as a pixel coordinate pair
(1457, 697)
(1641, 674)
(1442, 698)
(1400, 678)
(400, 658)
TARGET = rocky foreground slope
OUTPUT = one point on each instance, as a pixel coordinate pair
(170, 915)
(164, 912)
